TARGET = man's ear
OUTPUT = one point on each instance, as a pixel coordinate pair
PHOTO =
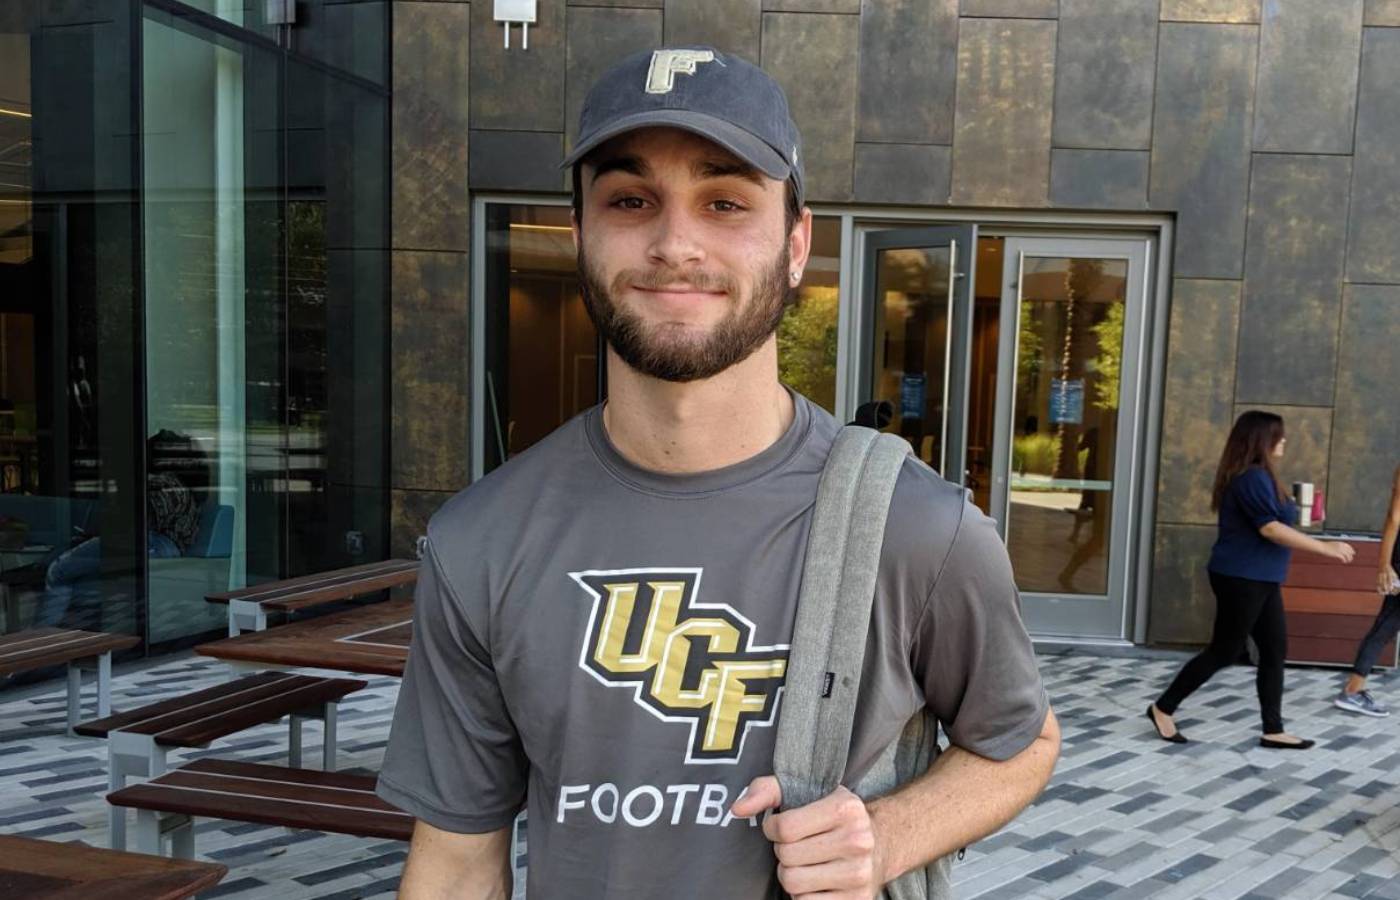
(800, 241)
(574, 228)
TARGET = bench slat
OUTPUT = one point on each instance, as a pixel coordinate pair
(36, 648)
(108, 874)
(322, 587)
(195, 719)
(270, 795)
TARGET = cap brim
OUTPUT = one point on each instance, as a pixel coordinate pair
(731, 137)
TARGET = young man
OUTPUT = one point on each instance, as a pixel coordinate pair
(602, 625)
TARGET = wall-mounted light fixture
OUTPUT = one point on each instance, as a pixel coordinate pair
(509, 12)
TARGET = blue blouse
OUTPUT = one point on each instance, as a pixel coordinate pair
(1251, 502)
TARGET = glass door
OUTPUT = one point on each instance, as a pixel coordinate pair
(1069, 369)
(917, 302)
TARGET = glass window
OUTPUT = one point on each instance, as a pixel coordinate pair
(1070, 348)
(265, 292)
(542, 354)
(807, 334)
(70, 487)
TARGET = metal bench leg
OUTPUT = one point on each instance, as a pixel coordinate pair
(148, 832)
(181, 837)
(104, 685)
(128, 755)
(294, 741)
(245, 615)
(328, 747)
(75, 694)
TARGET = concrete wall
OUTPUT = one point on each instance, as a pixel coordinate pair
(1266, 126)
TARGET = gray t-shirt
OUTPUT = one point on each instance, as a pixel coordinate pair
(608, 644)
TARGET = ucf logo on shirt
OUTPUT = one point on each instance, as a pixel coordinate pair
(685, 661)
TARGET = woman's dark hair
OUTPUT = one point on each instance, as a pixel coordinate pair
(1251, 443)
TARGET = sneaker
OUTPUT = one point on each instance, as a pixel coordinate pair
(1360, 702)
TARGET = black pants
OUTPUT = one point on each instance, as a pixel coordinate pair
(1243, 608)
(1385, 627)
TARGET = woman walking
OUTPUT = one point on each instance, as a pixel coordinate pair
(1248, 563)
(1354, 697)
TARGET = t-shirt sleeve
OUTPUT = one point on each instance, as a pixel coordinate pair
(1258, 498)
(972, 651)
(454, 758)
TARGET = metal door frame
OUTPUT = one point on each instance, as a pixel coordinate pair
(962, 243)
(1080, 615)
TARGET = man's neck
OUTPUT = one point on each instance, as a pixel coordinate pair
(697, 426)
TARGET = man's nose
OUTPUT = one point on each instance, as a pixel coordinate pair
(676, 242)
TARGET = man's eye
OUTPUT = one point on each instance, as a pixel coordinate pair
(727, 206)
(629, 203)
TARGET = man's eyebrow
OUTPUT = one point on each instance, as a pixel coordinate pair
(632, 165)
(714, 168)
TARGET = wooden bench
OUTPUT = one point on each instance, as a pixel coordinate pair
(49, 870)
(248, 608)
(38, 648)
(250, 792)
(137, 741)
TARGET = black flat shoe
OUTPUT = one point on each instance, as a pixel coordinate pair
(1177, 738)
(1285, 745)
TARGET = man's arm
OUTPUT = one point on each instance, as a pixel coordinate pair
(961, 799)
(851, 849)
(444, 865)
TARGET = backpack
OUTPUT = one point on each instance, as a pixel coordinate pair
(828, 646)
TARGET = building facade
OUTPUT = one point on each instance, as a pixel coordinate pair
(322, 269)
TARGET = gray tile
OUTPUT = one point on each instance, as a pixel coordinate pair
(1197, 411)
(1373, 230)
(902, 173)
(1383, 13)
(429, 396)
(908, 71)
(597, 39)
(1232, 11)
(1363, 443)
(1293, 275)
(1306, 95)
(809, 55)
(1001, 140)
(851, 7)
(501, 77)
(1011, 9)
(430, 209)
(516, 160)
(1200, 150)
(1099, 179)
(1189, 866)
(730, 26)
(1184, 607)
(1103, 74)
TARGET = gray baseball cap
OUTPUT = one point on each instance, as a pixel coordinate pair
(718, 96)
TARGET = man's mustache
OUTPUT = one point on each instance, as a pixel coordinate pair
(661, 279)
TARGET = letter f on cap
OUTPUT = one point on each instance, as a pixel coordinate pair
(665, 64)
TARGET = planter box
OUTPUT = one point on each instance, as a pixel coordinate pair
(1330, 606)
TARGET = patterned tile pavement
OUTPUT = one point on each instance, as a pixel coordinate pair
(1126, 815)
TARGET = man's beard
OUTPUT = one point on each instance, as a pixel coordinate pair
(664, 351)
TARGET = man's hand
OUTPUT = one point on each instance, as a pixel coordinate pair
(828, 847)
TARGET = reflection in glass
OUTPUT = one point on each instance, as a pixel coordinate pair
(911, 344)
(542, 349)
(265, 316)
(807, 334)
(1070, 348)
(70, 497)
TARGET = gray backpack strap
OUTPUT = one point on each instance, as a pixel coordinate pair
(833, 613)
